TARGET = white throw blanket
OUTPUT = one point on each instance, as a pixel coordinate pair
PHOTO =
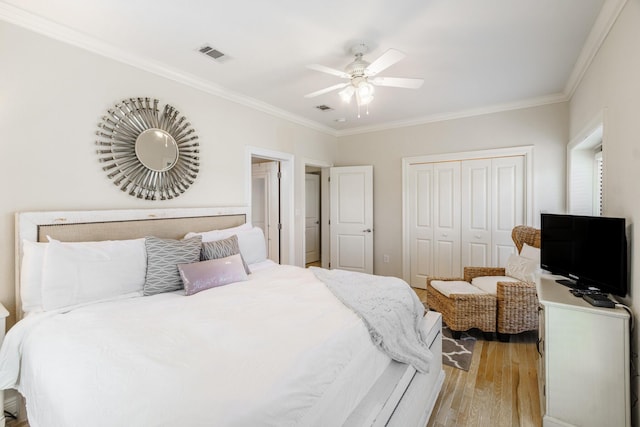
(389, 308)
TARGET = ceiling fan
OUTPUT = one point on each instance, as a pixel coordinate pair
(362, 76)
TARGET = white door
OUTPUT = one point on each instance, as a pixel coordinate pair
(475, 182)
(312, 217)
(352, 218)
(265, 204)
(508, 205)
(420, 187)
(446, 219)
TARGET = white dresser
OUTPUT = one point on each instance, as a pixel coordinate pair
(584, 365)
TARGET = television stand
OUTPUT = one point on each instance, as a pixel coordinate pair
(574, 337)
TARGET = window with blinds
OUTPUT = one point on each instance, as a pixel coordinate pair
(586, 173)
(597, 178)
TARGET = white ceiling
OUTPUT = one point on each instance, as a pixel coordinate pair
(473, 55)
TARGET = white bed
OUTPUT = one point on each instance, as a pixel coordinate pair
(277, 349)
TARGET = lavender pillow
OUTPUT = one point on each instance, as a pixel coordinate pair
(199, 276)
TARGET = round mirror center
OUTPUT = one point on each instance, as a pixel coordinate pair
(157, 150)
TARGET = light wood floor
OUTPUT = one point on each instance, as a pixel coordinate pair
(500, 388)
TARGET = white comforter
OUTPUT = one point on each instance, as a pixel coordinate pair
(171, 360)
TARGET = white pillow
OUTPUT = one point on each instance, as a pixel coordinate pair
(252, 245)
(210, 236)
(489, 284)
(82, 272)
(521, 268)
(531, 253)
(31, 275)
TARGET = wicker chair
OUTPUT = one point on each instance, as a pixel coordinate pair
(514, 308)
(517, 301)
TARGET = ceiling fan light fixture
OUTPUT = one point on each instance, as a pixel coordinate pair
(363, 76)
(365, 93)
(347, 93)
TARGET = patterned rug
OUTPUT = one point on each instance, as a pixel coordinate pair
(457, 353)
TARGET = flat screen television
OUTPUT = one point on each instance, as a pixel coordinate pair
(589, 250)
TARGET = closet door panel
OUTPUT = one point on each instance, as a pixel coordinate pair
(508, 205)
(446, 217)
(421, 223)
(475, 192)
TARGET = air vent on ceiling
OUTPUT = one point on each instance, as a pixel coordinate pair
(323, 107)
(211, 52)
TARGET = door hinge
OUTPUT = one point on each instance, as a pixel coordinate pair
(279, 175)
(329, 222)
(279, 226)
(329, 265)
(329, 178)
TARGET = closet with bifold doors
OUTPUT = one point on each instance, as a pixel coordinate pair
(460, 210)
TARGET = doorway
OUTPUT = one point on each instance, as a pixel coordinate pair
(313, 216)
(265, 202)
(321, 169)
(285, 240)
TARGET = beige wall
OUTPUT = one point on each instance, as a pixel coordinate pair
(612, 85)
(545, 128)
(52, 96)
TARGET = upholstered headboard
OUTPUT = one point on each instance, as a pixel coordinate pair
(79, 226)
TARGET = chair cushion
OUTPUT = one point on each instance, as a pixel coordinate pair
(489, 284)
(448, 287)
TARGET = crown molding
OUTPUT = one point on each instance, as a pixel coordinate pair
(17, 16)
(489, 109)
(604, 22)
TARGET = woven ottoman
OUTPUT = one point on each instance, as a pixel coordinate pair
(462, 305)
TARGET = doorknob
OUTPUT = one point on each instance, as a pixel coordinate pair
(368, 230)
(317, 222)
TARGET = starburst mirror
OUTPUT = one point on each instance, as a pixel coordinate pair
(150, 154)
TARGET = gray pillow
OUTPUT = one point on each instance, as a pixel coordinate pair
(163, 257)
(222, 249)
(202, 275)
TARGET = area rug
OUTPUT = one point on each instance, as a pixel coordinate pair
(457, 353)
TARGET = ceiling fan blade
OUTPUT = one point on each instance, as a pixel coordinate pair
(326, 90)
(328, 70)
(397, 82)
(385, 61)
